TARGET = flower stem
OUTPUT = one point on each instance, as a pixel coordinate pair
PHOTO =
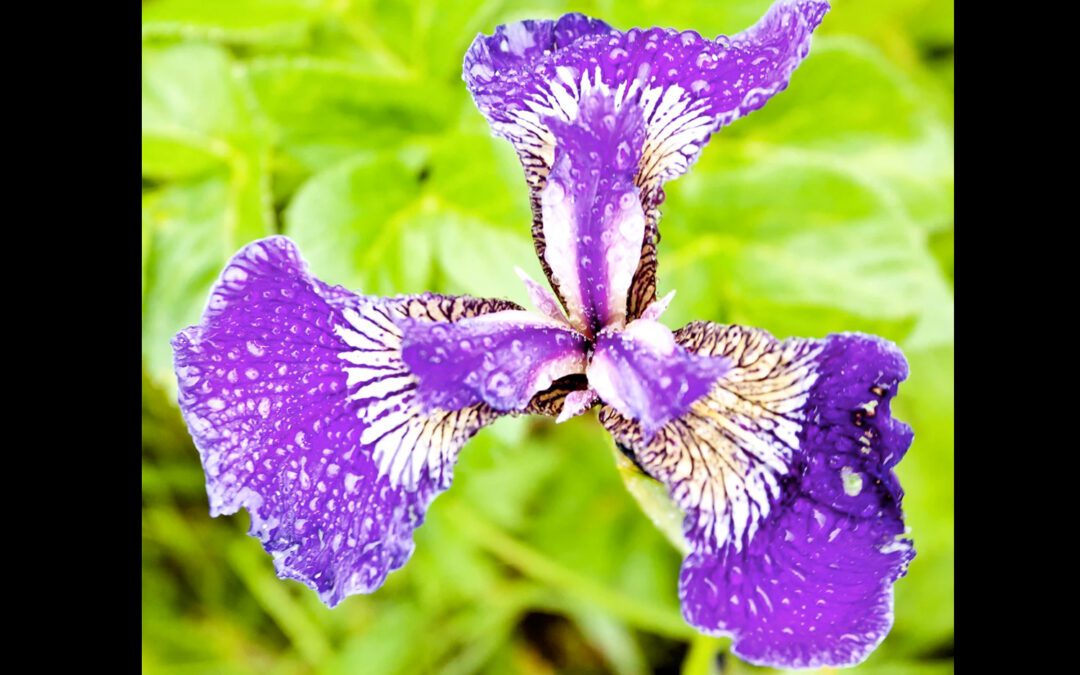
(543, 569)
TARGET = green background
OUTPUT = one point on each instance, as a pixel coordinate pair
(346, 126)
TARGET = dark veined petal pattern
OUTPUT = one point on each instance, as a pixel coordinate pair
(792, 509)
(687, 87)
(305, 413)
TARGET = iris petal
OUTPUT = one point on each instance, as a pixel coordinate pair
(592, 218)
(502, 359)
(686, 87)
(784, 471)
(305, 414)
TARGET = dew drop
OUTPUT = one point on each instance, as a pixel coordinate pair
(689, 38)
(705, 60)
(853, 482)
(499, 384)
(622, 155)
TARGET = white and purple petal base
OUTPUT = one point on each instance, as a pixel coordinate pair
(305, 413)
(784, 470)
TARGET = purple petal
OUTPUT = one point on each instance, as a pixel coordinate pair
(502, 359)
(577, 402)
(645, 375)
(304, 413)
(542, 298)
(686, 88)
(792, 509)
(592, 218)
(657, 307)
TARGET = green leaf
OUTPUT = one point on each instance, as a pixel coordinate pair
(847, 103)
(809, 244)
(191, 95)
(461, 239)
(321, 111)
(279, 23)
(480, 175)
(653, 498)
(349, 223)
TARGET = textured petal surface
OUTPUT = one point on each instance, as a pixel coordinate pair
(592, 218)
(686, 88)
(793, 512)
(304, 414)
(644, 374)
(502, 359)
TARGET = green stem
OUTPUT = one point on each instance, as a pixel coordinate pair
(539, 567)
(702, 657)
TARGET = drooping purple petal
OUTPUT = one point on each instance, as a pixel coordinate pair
(592, 217)
(792, 510)
(304, 414)
(644, 374)
(686, 88)
(502, 359)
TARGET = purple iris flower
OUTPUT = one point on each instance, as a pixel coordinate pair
(335, 419)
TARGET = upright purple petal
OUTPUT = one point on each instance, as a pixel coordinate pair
(502, 359)
(793, 512)
(498, 70)
(304, 413)
(647, 376)
(542, 298)
(686, 88)
(592, 218)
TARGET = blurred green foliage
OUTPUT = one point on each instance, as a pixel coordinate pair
(346, 126)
